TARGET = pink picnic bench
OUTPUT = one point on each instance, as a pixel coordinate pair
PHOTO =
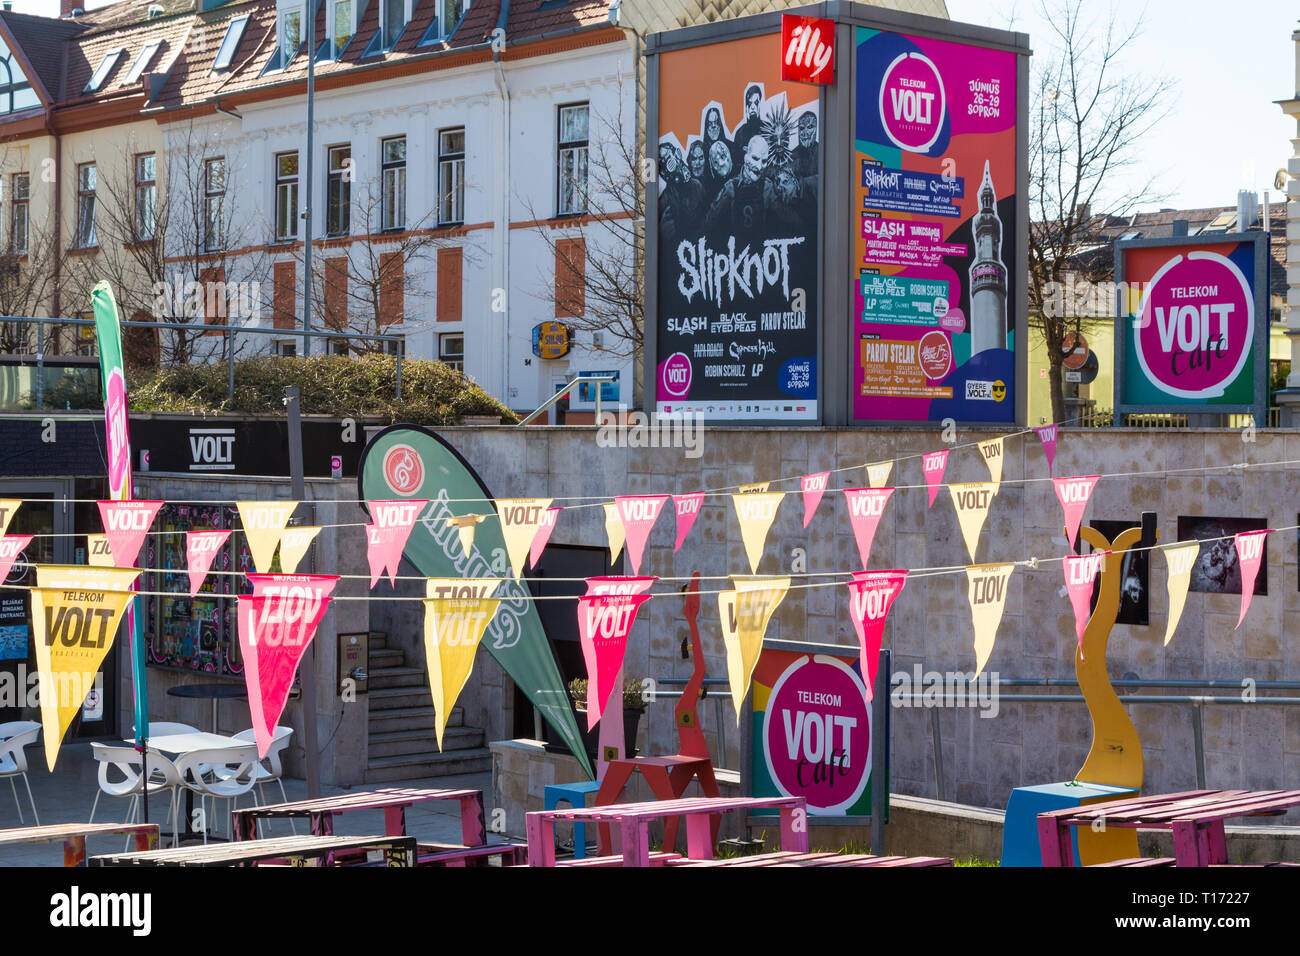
(1196, 818)
(634, 819)
(73, 837)
(819, 860)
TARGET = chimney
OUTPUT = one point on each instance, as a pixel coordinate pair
(1246, 202)
(66, 7)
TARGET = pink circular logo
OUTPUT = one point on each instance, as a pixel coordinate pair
(403, 469)
(1195, 327)
(119, 451)
(912, 102)
(816, 734)
(675, 375)
(934, 355)
(954, 321)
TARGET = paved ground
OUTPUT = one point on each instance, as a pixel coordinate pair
(66, 796)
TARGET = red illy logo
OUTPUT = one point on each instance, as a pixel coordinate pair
(403, 469)
(809, 45)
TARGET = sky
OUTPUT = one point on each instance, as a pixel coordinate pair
(1223, 130)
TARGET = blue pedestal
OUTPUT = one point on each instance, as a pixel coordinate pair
(575, 794)
(1020, 827)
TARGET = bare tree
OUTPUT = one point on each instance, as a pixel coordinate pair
(1087, 120)
(30, 260)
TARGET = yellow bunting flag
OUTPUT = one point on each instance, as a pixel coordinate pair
(755, 488)
(453, 628)
(991, 452)
(745, 613)
(878, 473)
(263, 523)
(75, 613)
(757, 511)
(519, 520)
(1180, 558)
(98, 553)
(987, 591)
(972, 502)
(293, 545)
(7, 508)
(465, 525)
(614, 530)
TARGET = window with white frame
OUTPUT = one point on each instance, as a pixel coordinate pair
(338, 192)
(146, 194)
(87, 177)
(286, 196)
(288, 31)
(230, 43)
(20, 189)
(451, 176)
(341, 26)
(394, 15)
(214, 201)
(447, 14)
(393, 173)
(451, 350)
(572, 161)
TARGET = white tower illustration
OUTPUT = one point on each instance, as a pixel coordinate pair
(988, 275)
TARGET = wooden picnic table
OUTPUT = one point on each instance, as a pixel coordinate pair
(1196, 818)
(633, 820)
(73, 837)
(822, 859)
(321, 811)
(301, 850)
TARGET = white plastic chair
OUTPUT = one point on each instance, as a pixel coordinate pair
(162, 774)
(14, 736)
(279, 742)
(233, 775)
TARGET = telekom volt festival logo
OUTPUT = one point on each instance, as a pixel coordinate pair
(403, 469)
(1195, 327)
(675, 375)
(912, 102)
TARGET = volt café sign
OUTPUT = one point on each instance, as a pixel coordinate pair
(1192, 333)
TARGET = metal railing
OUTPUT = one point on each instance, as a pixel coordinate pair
(561, 392)
(228, 332)
(1105, 418)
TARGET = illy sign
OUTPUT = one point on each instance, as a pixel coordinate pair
(212, 449)
(809, 49)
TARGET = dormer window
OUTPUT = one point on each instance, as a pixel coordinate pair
(141, 62)
(342, 26)
(101, 72)
(447, 16)
(230, 43)
(289, 32)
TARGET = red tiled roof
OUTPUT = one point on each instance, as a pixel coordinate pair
(41, 41)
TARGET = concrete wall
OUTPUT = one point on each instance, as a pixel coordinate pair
(1027, 743)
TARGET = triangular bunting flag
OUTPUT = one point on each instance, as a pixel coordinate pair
(754, 488)
(813, 487)
(638, 513)
(387, 534)
(126, 523)
(294, 543)
(453, 629)
(613, 531)
(543, 535)
(520, 518)
(1047, 435)
(1073, 493)
(11, 546)
(866, 505)
(201, 548)
(878, 473)
(99, 554)
(1180, 558)
(991, 452)
(972, 502)
(933, 465)
(8, 506)
(1250, 552)
(263, 522)
(745, 612)
(276, 623)
(605, 616)
(987, 592)
(1080, 572)
(756, 512)
(688, 509)
(465, 525)
(871, 595)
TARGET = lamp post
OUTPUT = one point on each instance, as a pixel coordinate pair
(309, 8)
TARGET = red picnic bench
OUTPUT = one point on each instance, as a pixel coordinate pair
(1196, 818)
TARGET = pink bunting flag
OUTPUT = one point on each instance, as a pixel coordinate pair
(387, 534)
(688, 509)
(276, 623)
(872, 594)
(1250, 552)
(543, 535)
(866, 505)
(1080, 572)
(11, 546)
(605, 616)
(201, 548)
(1047, 435)
(126, 523)
(933, 465)
(1073, 493)
(813, 487)
(638, 514)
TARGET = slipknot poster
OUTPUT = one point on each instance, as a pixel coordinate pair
(934, 167)
(739, 179)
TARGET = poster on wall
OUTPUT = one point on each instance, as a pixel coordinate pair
(1187, 333)
(934, 231)
(1134, 585)
(1217, 569)
(739, 176)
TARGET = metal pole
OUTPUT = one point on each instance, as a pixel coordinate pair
(936, 742)
(308, 669)
(230, 363)
(880, 753)
(311, 183)
(401, 354)
(1198, 737)
(40, 364)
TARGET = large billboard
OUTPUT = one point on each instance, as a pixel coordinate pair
(739, 178)
(935, 237)
(1192, 325)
